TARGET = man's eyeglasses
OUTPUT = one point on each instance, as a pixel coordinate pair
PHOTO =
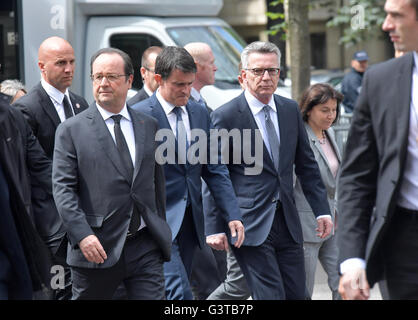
(150, 70)
(98, 78)
(260, 71)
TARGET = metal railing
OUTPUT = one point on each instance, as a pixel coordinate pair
(341, 130)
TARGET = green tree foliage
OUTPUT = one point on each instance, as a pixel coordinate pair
(360, 19)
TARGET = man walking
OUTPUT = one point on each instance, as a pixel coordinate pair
(378, 203)
(271, 257)
(170, 105)
(110, 191)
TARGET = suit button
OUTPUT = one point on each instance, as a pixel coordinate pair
(185, 199)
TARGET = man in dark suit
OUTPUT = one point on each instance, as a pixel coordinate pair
(177, 115)
(109, 190)
(147, 73)
(378, 203)
(45, 106)
(271, 257)
(24, 258)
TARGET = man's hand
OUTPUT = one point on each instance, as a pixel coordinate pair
(237, 232)
(354, 285)
(324, 227)
(218, 241)
(92, 249)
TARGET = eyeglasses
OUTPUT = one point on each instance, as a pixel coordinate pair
(150, 70)
(98, 78)
(261, 71)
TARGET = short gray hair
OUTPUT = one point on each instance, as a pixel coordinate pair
(259, 47)
(11, 87)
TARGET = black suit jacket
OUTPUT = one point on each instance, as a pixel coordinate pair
(22, 160)
(93, 193)
(43, 118)
(140, 95)
(374, 162)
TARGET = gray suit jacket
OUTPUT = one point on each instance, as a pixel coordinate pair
(374, 162)
(307, 218)
(93, 193)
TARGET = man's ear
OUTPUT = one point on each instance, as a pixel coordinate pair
(142, 70)
(158, 78)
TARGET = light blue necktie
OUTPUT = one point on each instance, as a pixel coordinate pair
(181, 137)
(272, 137)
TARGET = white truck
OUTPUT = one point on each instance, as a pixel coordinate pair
(130, 25)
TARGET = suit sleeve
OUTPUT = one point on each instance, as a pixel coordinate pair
(357, 181)
(28, 115)
(65, 185)
(38, 164)
(219, 183)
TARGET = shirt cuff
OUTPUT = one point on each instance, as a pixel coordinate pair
(351, 264)
(323, 216)
(215, 234)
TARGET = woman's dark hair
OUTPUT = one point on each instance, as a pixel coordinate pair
(319, 93)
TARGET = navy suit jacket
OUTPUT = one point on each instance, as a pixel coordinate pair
(257, 194)
(183, 180)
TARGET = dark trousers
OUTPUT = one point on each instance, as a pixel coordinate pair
(401, 256)
(140, 268)
(177, 271)
(5, 275)
(208, 271)
(275, 270)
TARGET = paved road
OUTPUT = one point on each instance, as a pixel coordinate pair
(322, 291)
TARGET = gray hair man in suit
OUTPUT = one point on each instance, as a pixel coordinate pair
(378, 203)
(271, 257)
(110, 192)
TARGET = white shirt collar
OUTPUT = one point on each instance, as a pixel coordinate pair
(53, 92)
(147, 90)
(256, 105)
(416, 60)
(167, 106)
(195, 94)
(106, 114)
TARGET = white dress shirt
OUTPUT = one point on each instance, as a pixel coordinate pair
(409, 187)
(172, 118)
(57, 98)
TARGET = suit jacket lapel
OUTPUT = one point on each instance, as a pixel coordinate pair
(402, 104)
(74, 102)
(139, 132)
(105, 140)
(48, 106)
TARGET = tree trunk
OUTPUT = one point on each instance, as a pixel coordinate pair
(277, 38)
(299, 45)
